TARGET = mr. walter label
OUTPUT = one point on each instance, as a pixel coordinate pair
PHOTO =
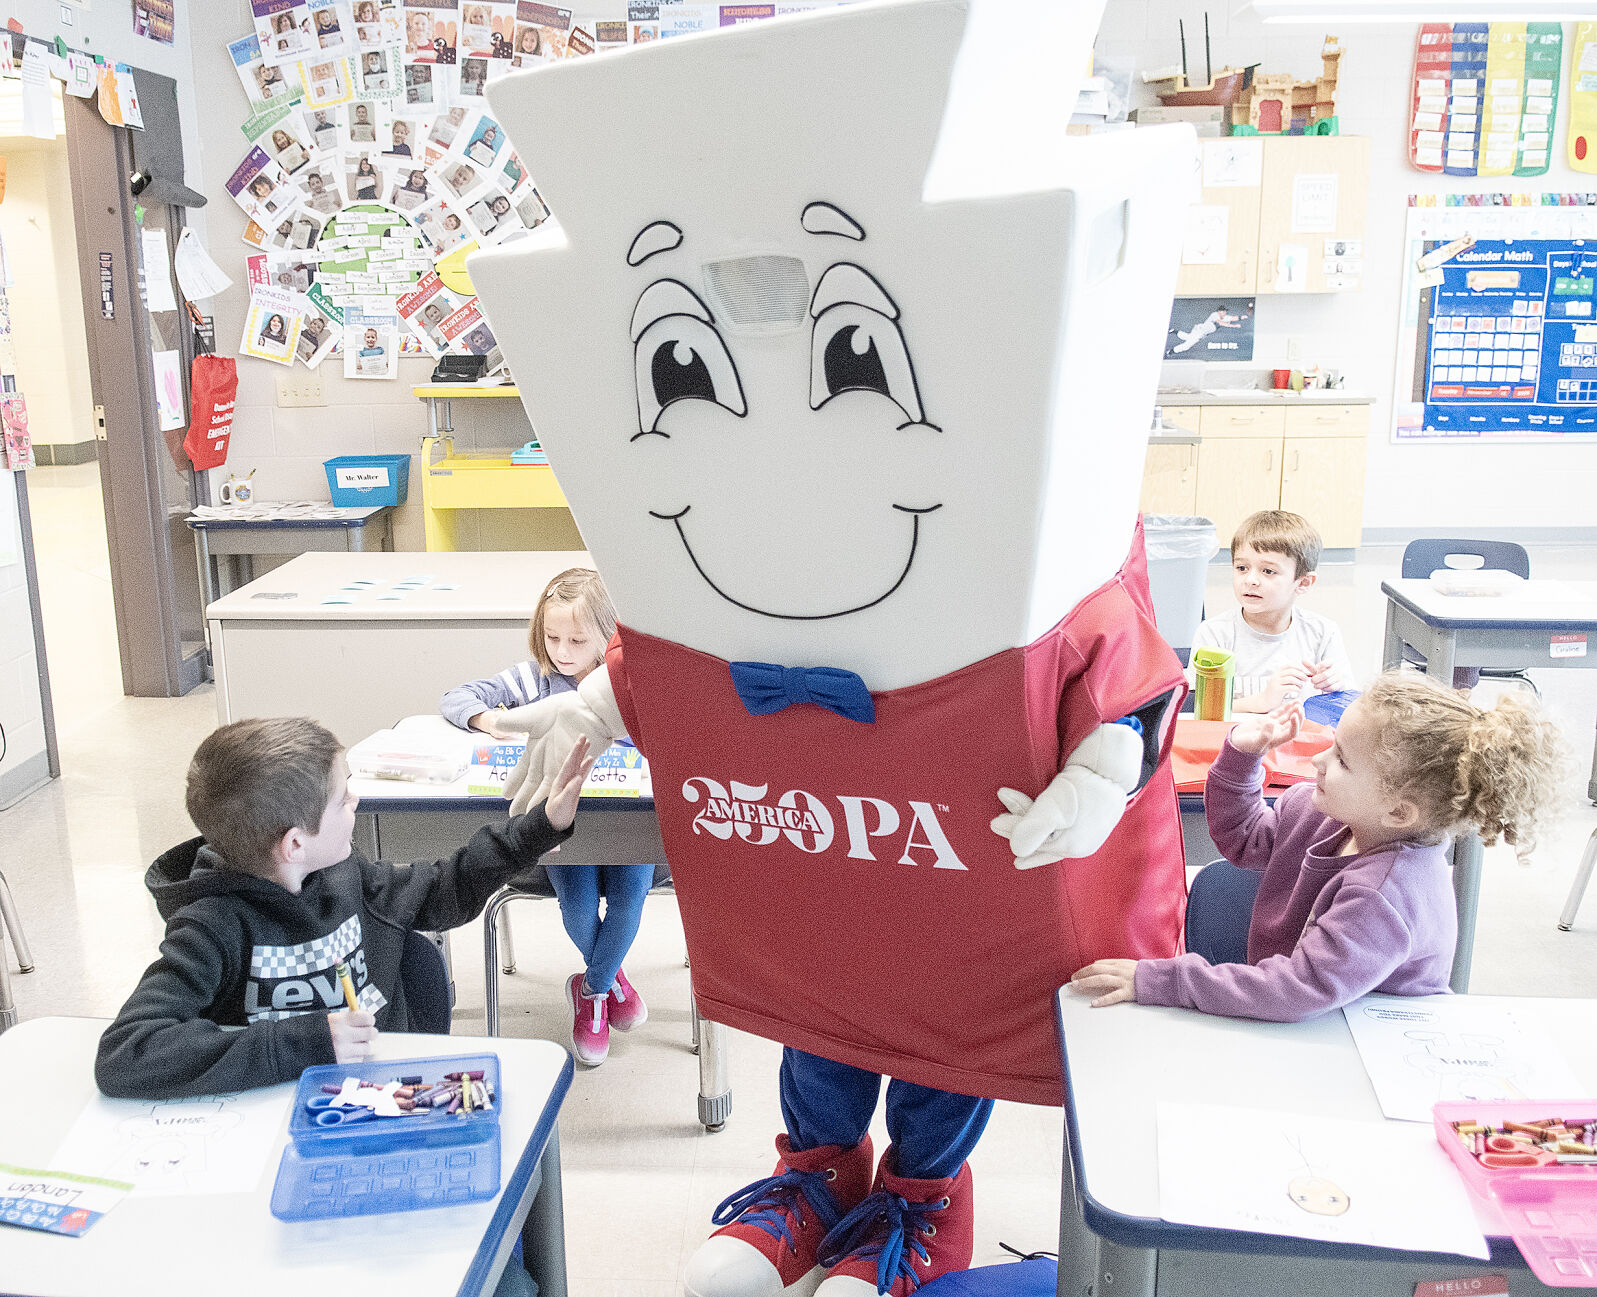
(364, 478)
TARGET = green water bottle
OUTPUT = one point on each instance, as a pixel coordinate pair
(1212, 669)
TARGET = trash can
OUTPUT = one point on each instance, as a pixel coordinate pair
(1179, 550)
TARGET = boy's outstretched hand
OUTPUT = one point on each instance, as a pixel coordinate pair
(561, 807)
(354, 1034)
(1111, 980)
(1263, 733)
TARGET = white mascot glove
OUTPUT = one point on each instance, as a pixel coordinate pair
(1079, 809)
(552, 725)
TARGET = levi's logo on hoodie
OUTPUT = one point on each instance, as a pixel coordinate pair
(286, 980)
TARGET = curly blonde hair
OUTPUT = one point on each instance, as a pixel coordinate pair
(1497, 771)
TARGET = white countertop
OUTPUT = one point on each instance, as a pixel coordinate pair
(1259, 396)
(455, 586)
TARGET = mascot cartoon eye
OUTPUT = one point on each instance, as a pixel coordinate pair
(682, 358)
(856, 349)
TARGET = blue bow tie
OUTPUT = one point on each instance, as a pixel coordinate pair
(764, 687)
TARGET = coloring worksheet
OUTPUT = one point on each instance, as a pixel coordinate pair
(1376, 1183)
(176, 1147)
(1423, 1050)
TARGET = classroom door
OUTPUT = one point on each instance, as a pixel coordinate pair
(154, 576)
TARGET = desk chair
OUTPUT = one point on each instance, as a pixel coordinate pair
(1588, 861)
(1220, 905)
(10, 925)
(424, 977)
(715, 1085)
(1422, 557)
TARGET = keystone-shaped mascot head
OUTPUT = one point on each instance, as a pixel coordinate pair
(841, 350)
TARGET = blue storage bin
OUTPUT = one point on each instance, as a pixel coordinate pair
(361, 481)
(388, 1163)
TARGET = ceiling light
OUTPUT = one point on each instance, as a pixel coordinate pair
(1421, 11)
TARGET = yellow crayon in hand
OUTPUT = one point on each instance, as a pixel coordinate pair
(349, 987)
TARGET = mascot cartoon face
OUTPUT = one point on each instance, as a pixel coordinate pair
(836, 361)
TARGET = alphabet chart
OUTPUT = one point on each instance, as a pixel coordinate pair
(1484, 98)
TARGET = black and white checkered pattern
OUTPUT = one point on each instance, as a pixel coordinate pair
(272, 962)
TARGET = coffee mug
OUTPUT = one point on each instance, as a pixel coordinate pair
(236, 490)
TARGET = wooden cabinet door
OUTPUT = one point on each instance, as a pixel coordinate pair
(1295, 168)
(1170, 480)
(1322, 478)
(1237, 476)
(1237, 274)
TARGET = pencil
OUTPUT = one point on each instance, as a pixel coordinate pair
(349, 987)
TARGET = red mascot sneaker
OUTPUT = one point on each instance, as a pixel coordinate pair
(772, 1229)
(626, 1009)
(590, 1024)
(907, 1233)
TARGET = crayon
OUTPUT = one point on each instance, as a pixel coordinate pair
(349, 987)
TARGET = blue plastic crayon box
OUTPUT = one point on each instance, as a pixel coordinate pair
(388, 1163)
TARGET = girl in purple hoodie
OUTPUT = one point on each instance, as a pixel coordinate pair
(1356, 895)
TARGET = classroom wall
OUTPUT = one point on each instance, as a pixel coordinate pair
(47, 310)
(1526, 488)
(1533, 490)
(287, 445)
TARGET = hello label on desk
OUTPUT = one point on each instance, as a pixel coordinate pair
(361, 479)
(1475, 1285)
(1567, 646)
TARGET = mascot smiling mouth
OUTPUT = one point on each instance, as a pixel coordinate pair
(909, 560)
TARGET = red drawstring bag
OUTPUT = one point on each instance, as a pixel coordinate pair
(212, 391)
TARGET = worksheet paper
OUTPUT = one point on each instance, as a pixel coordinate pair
(1380, 1184)
(1423, 1050)
(177, 1147)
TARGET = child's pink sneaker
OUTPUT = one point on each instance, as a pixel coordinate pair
(590, 1023)
(626, 1009)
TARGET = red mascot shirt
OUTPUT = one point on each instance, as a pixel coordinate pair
(841, 888)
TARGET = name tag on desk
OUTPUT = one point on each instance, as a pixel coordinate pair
(620, 771)
(491, 764)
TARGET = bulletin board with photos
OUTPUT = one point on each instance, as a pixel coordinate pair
(369, 138)
(1499, 335)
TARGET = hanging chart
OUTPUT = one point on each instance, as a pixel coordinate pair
(1484, 98)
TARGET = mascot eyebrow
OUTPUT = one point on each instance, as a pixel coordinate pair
(657, 236)
(817, 218)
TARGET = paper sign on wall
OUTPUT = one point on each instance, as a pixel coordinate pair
(1292, 268)
(1205, 243)
(157, 271)
(1232, 163)
(1314, 203)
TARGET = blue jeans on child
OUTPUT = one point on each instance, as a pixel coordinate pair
(933, 1131)
(604, 942)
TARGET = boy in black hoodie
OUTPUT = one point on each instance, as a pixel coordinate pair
(262, 908)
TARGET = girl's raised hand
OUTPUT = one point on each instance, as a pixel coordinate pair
(561, 807)
(1269, 730)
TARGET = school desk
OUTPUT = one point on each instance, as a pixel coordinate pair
(348, 530)
(281, 649)
(399, 820)
(1118, 1066)
(231, 1243)
(1540, 624)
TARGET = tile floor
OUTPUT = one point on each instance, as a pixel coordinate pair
(641, 1176)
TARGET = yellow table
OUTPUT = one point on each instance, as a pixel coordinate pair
(473, 479)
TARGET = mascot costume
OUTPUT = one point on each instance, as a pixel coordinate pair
(842, 354)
